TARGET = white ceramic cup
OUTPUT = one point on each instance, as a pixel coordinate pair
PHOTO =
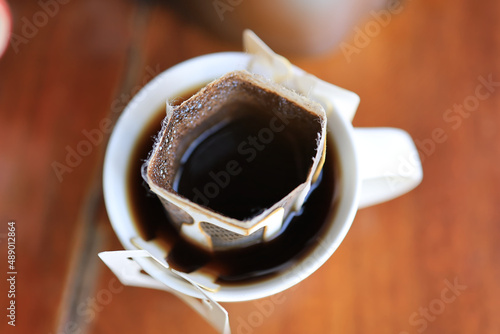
(376, 165)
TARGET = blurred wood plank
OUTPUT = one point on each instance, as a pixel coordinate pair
(58, 84)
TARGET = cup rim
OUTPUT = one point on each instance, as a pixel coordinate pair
(142, 108)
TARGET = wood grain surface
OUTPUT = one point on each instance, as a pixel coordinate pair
(427, 262)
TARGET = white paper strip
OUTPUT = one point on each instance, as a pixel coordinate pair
(276, 67)
(124, 265)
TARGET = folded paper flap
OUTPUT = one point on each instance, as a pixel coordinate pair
(266, 62)
(126, 266)
(128, 271)
(212, 311)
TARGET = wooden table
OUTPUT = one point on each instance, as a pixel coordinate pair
(426, 262)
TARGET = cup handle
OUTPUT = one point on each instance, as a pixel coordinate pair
(389, 165)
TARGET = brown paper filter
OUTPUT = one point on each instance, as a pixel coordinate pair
(236, 159)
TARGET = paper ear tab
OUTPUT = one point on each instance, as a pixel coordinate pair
(128, 271)
(207, 307)
(265, 61)
(123, 264)
(254, 45)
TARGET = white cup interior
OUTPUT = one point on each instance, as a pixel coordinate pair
(172, 83)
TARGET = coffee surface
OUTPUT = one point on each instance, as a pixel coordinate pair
(299, 233)
(244, 165)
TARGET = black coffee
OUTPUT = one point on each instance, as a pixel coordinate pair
(279, 162)
(246, 164)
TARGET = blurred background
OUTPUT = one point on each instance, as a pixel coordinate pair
(428, 262)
